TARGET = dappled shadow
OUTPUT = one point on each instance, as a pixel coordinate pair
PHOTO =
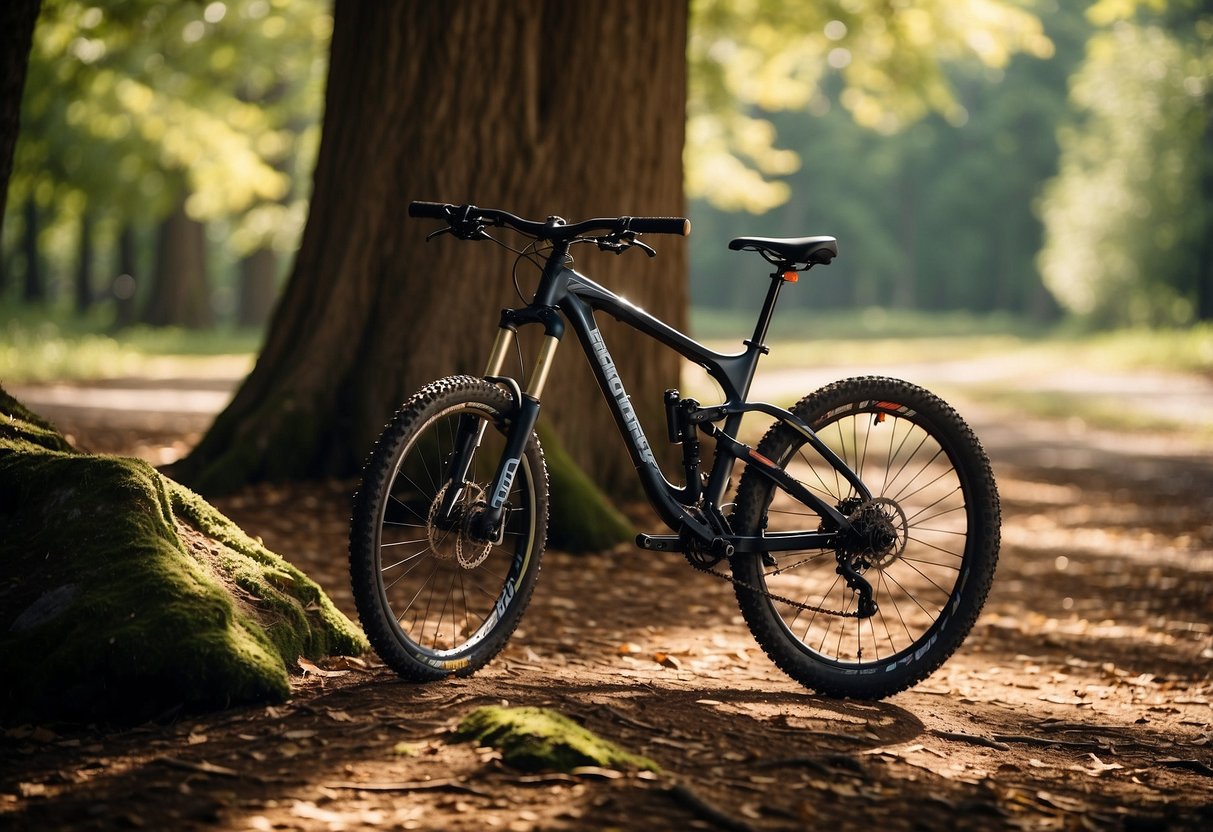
(1082, 695)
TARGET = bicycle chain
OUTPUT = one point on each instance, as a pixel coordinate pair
(747, 585)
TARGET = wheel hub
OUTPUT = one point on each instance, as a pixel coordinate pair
(451, 538)
(880, 531)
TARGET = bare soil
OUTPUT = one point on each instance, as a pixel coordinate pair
(1080, 701)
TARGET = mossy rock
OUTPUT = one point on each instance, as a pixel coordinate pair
(124, 595)
(539, 739)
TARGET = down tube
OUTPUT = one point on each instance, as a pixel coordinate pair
(661, 493)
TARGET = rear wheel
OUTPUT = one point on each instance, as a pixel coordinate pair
(928, 541)
(434, 596)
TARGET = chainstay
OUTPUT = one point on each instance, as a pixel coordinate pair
(782, 599)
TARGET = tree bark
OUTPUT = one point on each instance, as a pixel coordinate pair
(126, 285)
(1204, 248)
(537, 106)
(17, 18)
(180, 290)
(35, 286)
(84, 265)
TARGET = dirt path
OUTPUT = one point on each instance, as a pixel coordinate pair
(1081, 700)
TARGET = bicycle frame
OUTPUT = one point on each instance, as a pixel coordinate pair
(564, 294)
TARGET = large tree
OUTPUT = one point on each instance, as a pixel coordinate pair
(539, 107)
(16, 36)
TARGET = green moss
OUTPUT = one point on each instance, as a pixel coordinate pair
(123, 594)
(538, 739)
(581, 517)
(20, 425)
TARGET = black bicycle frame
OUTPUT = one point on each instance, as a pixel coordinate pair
(577, 298)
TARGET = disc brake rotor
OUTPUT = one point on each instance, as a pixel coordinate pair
(452, 541)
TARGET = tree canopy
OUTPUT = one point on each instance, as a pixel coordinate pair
(132, 107)
(924, 132)
(1129, 215)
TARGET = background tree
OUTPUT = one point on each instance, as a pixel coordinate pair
(147, 112)
(16, 35)
(1130, 215)
(938, 215)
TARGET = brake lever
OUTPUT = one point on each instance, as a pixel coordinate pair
(464, 231)
(619, 243)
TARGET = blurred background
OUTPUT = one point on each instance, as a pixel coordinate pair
(1047, 186)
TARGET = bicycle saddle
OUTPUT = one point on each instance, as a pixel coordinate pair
(790, 251)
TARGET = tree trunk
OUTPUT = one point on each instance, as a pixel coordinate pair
(258, 287)
(35, 287)
(17, 19)
(126, 284)
(1204, 248)
(180, 290)
(905, 293)
(84, 265)
(538, 107)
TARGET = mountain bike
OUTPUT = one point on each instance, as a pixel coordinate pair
(861, 542)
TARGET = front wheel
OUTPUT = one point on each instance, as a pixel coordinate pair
(437, 597)
(927, 540)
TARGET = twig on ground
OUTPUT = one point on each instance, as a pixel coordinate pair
(449, 785)
(202, 768)
(1044, 741)
(973, 739)
(702, 809)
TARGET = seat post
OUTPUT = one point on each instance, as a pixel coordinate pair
(768, 309)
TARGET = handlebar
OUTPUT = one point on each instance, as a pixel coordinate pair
(554, 228)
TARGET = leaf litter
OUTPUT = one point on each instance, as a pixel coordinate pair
(1094, 715)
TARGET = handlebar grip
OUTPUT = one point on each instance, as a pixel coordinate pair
(679, 226)
(428, 210)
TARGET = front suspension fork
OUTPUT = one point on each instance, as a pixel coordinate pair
(487, 524)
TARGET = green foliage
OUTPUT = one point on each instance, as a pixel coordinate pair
(131, 106)
(1126, 217)
(123, 595)
(939, 216)
(539, 739)
(749, 57)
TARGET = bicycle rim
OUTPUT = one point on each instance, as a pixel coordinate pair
(446, 592)
(919, 497)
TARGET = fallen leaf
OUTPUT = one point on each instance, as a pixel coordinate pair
(1099, 768)
(597, 772)
(311, 667)
(1061, 700)
(666, 660)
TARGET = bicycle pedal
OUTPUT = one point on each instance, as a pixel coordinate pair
(659, 542)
